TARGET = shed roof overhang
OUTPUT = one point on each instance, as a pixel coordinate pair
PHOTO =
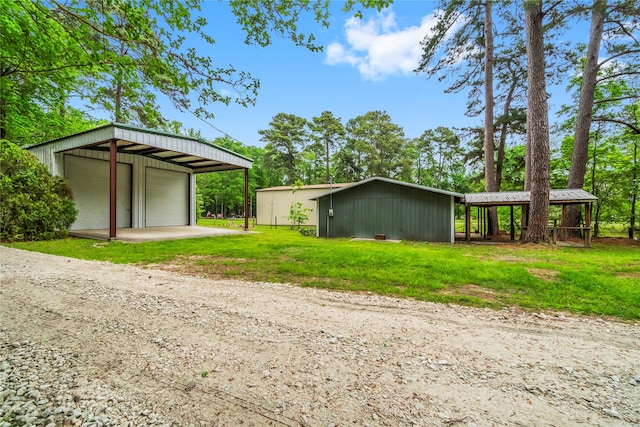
(192, 153)
(457, 196)
(516, 198)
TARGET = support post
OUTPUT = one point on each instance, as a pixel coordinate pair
(524, 221)
(486, 222)
(467, 222)
(587, 220)
(512, 231)
(246, 199)
(564, 234)
(113, 185)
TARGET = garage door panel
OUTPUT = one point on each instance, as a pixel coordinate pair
(89, 181)
(167, 198)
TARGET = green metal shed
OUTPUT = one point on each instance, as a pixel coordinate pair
(389, 209)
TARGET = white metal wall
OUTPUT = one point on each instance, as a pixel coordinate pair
(138, 165)
(89, 182)
(167, 197)
(274, 205)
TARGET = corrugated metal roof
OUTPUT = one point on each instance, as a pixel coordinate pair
(193, 153)
(506, 198)
(305, 187)
(391, 181)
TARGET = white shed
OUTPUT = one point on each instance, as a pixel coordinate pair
(273, 204)
(127, 177)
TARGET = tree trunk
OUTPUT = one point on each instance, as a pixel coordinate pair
(489, 144)
(118, 93)
(503, 132)
(326, 146)
(596, 223)
(538, 126)
(579, 157)
(3, 118)
(634, 195)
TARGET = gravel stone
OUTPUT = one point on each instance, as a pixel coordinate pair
(93, 344)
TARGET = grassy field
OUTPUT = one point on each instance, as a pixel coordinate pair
(602, 281)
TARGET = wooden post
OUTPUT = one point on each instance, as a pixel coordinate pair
(246, 199)
(564, 233)
(113, 185)
(486, 222)
(467, 222)
(512, 231)
(524, 221)
(587, 220)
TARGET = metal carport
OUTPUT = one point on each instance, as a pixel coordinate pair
(187, 153)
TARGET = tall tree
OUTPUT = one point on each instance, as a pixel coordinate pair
(379, 144)
(491, 184)
(121, 55)
(75, 45)
(349, 162)
(35, 75)
(537, 125)
(327, 132)
(441, 155)
(613, 29)
(285, 138)
(462, 44)
(459, 45)
(585, 108)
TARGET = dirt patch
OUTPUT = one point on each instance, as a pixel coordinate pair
(510, 258)
(617, 241)
(283, 355)
(472, 291)
(629, 275)
(212, 267)
(543, 273)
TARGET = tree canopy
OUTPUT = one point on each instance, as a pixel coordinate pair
(123, 57)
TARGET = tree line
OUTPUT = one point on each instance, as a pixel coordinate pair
(324, 149)
(120, 57)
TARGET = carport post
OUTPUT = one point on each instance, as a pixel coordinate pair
(113, 148)
(467, 222)
(587, 229)
(512, 231)
(246, 199)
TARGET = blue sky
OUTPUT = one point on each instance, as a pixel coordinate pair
(366, 65)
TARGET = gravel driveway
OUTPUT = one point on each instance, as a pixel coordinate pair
(90, 344)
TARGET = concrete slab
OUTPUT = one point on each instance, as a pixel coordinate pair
(136, 235)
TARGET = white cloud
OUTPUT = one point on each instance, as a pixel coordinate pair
(378, 48)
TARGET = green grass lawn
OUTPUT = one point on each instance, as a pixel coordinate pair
(602, 281)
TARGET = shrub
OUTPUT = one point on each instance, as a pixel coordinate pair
(34, 205)
(308, 231)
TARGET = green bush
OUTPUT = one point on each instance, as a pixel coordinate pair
(34, 205)
(308, 231)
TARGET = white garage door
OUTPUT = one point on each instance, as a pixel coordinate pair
(89, 181)
(167, 198)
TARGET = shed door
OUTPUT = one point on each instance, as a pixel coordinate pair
(167, 198)
(89, 182)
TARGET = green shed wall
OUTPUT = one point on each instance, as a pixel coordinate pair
(397, 211)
